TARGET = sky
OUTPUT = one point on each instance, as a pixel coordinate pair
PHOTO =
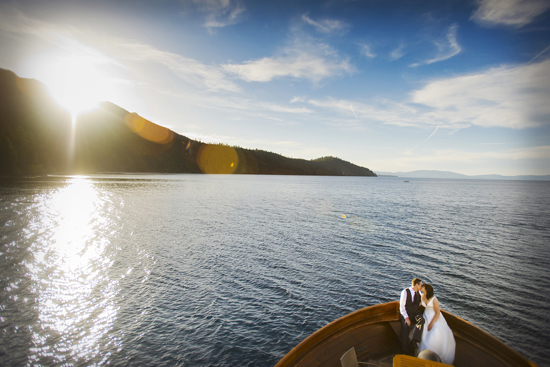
(450, 85)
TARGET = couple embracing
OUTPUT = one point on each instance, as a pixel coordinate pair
(436, 334)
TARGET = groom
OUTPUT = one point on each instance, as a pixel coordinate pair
(409, 307)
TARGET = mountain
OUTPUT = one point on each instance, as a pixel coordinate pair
(424, 174)
(453, 175)
(38, 137)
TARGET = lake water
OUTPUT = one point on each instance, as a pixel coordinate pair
(197, 270)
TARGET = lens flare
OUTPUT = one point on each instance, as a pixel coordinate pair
(149, 130)
(217, 159)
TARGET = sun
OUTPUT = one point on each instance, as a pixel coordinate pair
(76, 80)
(76, 83)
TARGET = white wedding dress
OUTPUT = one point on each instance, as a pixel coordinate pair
(440, 338)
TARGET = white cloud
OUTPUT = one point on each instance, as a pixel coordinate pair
(302, 60)
(220, 13)
(446, 48)
(297, 99)
(366, 51)
(238, 107)
(428, 138)
(229, 18)
(116, 51)
(512, 97)
(278, 108)
(514, 13)
(15, 22)
(198, 74)
(540, 54)
(325, 25)
(398, 52)
(354, 114)
(383, 111)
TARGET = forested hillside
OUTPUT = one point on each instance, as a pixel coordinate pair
(38, 137)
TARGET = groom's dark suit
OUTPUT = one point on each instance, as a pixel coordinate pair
(413, 308)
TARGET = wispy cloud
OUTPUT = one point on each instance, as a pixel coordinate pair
(117, 51)
(302, 60)
(220, 13)
(446, 48)
(326, 25)
(367, 51)
(428, 138)
(279, 108)
(239, 107)
(211, 78)
(513, 97)
(398, 52)
(513, 13)
(354, 114)
(298, 99)
(540, 54)
(382, 111)
(61, 37)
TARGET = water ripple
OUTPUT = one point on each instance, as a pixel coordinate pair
(186, 270)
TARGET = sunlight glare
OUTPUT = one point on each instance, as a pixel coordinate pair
(75, 207)
(77, 76)
(76, 84)
(76, 302)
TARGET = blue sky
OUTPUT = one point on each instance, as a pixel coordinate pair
(459, 86)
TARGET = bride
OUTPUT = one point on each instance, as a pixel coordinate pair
(436, 336)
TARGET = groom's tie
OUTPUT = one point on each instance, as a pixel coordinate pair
(415, 295)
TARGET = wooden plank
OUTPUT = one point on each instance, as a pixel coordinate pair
(369, 315)
(368, 340)
(468, 355)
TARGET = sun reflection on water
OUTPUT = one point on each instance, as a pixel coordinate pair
(76, 298)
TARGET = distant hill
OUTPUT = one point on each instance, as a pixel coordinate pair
(453, 175)
(38, 137)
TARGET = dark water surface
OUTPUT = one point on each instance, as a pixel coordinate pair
(196, 270)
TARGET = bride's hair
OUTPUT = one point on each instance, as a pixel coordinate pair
(429, 291)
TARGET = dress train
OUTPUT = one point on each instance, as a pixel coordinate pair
(440, 338)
